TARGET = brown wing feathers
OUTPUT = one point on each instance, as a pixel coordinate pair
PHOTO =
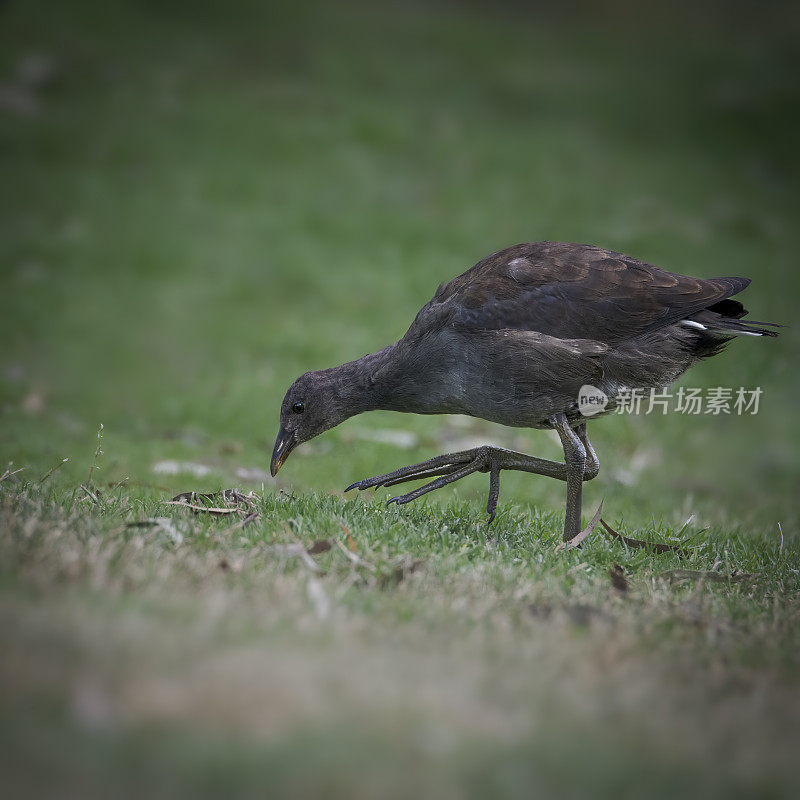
(577, 291)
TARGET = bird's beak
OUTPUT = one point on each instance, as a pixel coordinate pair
(284, 444)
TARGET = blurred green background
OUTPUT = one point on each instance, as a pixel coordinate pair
(199, 203)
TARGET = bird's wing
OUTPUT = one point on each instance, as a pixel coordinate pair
(560, 363)
(570, 291)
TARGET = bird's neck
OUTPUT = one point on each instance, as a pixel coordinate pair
(392, 379)
(361, 385)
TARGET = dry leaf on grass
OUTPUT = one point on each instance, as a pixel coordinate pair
(656, 547)
(320, 546)
(236, 502)
(576, 540)
(618, 579)
(203, 509)
(350, 541)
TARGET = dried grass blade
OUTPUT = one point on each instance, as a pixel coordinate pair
(576, 540)
(657, 547)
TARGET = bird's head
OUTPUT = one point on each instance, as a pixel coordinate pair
(314, 404)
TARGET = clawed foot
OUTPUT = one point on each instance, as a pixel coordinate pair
(453, 467)
(580, 464)
(445, 469)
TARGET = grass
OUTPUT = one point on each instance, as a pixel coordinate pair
(203, 205)
(485, 660)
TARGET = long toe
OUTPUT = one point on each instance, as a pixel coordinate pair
(437, 484)
(440, 465)
(370, 483)
(422, 475)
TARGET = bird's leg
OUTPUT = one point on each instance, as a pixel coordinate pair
(592, 461)
(452, 467)
(494, 491)
(575, 458)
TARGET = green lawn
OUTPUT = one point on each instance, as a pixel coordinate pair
(198, 203)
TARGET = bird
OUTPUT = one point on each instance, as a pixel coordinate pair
(514, 340)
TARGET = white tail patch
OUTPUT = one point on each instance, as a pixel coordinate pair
(690, 323)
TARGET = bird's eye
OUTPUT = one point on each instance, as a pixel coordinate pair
(298, 408)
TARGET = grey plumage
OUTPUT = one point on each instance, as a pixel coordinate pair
(512, 340)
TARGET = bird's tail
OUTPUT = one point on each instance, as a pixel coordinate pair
(725, 326)
(725, 318)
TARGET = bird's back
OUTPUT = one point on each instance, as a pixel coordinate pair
(572, 291)
(514, 337)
